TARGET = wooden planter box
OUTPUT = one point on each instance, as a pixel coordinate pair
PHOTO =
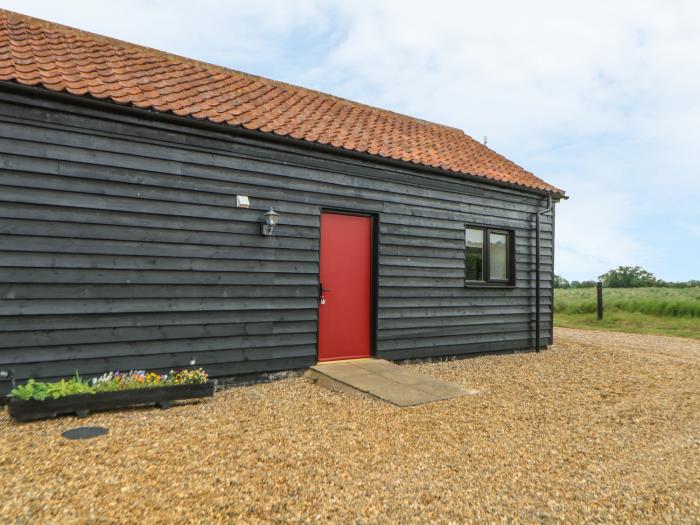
(82, 404)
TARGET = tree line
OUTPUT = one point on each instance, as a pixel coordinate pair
(625, 277)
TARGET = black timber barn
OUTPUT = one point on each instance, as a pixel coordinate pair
(126, 241)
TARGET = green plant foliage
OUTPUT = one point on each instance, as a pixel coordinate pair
(664, 302)
(628, 277)
(39, 391)
(582, 284)
(561, 282)
(31, 390)
(67, 387)
(632, 322)
(670, 311)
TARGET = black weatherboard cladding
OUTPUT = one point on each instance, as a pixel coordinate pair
(121, 247)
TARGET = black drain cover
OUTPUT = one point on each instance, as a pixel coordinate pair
(84, 432)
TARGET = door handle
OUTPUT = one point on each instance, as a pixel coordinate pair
(321, 289)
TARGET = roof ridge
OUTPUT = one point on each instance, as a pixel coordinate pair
(208, 65)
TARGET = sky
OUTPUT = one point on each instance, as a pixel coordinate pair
(600, 98)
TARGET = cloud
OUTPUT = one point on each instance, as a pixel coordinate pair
(598, 97)
(594, 232)
(241, 35)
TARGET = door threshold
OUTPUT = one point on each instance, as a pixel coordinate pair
(343, 360)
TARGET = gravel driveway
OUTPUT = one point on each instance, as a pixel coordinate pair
(602, 427)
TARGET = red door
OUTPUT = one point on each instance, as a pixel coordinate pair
(345, 278)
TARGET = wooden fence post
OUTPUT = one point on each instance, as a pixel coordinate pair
(599, 290)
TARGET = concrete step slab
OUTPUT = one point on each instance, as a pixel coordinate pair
(384, 380)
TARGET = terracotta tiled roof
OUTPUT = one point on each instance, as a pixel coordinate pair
(59, 58)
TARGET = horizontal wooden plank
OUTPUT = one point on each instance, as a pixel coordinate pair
(263, 365)
(396, 325)
(100, 306)
(245, 344)
(151, 319)
(171, 291)
(410, 272)
(467, 300)
(407, 313)
(153, 276)
(216, 196)
(145, 220)
(461, 330)
(140, 203)
(453, 292)
(45, 337)
(390, 345)
(454, 281)
(421, 251)
(522, 263)
(98, 231)
(124, 262)
(420, 262)
(504, 345)
(75, 245)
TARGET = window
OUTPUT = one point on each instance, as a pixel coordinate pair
(475, 254)
(488, 256)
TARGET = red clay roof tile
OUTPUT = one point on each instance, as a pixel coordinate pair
(61, 58)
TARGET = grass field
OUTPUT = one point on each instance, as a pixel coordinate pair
(663, 311)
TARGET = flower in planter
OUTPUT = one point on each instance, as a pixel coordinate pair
(188, 377)
(154, 379)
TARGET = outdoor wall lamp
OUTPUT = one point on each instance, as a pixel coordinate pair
(271, 218)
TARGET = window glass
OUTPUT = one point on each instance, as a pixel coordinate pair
(498, 256)
(474, 254)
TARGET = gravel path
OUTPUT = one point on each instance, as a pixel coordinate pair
(602, 427)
